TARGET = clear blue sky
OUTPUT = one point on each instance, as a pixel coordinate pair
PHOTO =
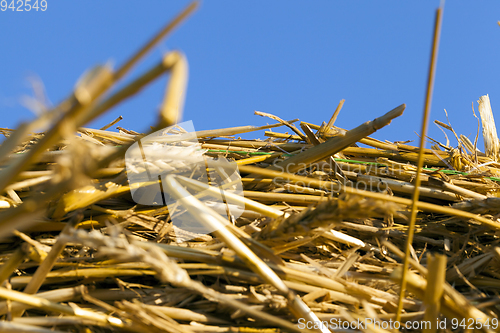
(295, 59)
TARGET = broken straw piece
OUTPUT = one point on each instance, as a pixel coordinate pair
(491, 143)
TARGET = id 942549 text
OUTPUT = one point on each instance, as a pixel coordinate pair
(23, 5)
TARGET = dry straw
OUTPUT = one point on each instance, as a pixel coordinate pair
(328, 230)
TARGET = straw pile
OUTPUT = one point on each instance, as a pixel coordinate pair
(319, 245)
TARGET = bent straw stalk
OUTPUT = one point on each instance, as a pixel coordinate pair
(334, 145)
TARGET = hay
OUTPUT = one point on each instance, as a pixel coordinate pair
(321, 238)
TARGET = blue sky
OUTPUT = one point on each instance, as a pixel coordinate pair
(295, 59)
